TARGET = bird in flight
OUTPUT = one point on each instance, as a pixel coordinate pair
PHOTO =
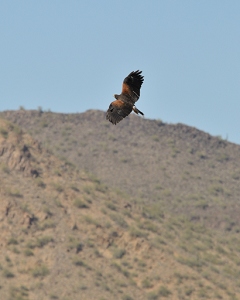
(125, 102)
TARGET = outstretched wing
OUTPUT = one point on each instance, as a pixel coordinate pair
(131, 86)
(117, 111)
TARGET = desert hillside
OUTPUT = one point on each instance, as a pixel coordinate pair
(144, 210)
(185, 170)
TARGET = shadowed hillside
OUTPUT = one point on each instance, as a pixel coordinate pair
(65, 235)
(186, 171)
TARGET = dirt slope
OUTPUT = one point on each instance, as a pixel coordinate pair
(65, 235)
(187, 171)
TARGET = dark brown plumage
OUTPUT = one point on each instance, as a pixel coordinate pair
(125, 102)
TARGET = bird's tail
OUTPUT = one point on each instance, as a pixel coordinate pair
(137, 111)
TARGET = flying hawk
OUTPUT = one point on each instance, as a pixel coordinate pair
(125, 102)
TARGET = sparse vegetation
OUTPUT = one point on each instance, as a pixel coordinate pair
(91, 220)
(58, 187)
(14, 193)
(47, 224)
(39, 242)
(127, 297)
(168, 229)
(111, 206)
(8, 274)
(40, 271)
(79, 203)
(119, 220)
(118, 253)
(134, 232)
(28, 252)
(164, 292)
(19, 293)
(146, 283)
(40, 183)
(5, 168)
(4, 132)
(12, 241)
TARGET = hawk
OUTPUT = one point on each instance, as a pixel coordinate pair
(125, 102)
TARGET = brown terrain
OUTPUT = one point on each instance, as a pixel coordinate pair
(141, 210)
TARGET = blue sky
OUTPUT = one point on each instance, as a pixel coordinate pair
(71, 56)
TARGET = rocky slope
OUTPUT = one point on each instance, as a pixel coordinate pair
(66, 235)
(187, 171)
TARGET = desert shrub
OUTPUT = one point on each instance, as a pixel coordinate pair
(40, 242)
(120, 269)
(28, 252)
(236, 175)
(4, 132)
(118, 253)
(101, 188)
(74, 188)
(180, 277)
(80, 263)
(44, 124)
(79, 203)
(15, 250)
(202, 293)
(147, 225)
(8, 274)
(159, 240)
(192, 262)
(124, 160)
(5, 168)
(47, 224)
(221, 157)
(153, 212)
(164, 291)
(111, 206)
(58, 187)
(119, 220)
(75, 244)
(48, 211)
(40, 183)
(12, 241)
(146, 283)
(18, 293)
(134, 232)
(202, 204)
(8, 259)
(53, 296)
(214, 259)
(189, 290)
(88, 189)
(142, 264)
(127, 297)
(14, 193)
(90, 220)
(40, 271)
(24, 207)
(83, 287)
(216, 189)
(202, 154)
(153, 296)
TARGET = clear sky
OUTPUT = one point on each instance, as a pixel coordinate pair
(70, 56)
